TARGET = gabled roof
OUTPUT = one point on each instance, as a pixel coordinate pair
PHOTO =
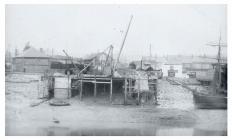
(198, 59)
(154, 59)
(32, 53)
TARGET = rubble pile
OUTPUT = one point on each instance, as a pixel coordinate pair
(173, 96)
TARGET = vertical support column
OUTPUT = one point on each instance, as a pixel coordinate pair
(104, 88)
(138, 92)
(149, 87)
(130, 84)
(111, 89)
(81, 90)
(125, 91)
(155, 91)
(24, 69)
(112, 64)
(38, 91)
(95, 88)
(68, 85)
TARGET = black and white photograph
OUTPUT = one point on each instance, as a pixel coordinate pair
(116, 70)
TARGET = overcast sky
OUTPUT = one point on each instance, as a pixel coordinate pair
(84, 29)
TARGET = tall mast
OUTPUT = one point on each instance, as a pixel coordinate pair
(219, 45)
(123, 42)
(150, 53)
(219, 61)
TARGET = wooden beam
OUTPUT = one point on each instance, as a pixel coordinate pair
(89, 81)
(94, 78)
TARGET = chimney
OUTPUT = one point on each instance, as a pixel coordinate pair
(41, 50)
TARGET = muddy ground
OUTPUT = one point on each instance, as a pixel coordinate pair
(176, 114)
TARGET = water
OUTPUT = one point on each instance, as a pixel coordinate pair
(146, 131)
(175, 116)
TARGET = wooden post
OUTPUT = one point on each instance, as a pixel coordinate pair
(38, 85)
(138, 91)
(130, 83)
(24, 69)
(149, 87)
(155, 90)
(95, 88)
(111, 89)
(68, 85)
(104, 88)
(112, 63)
(81, 90)
(125, 91)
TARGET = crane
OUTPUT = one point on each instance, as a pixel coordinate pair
(76, 68)
(123, 42)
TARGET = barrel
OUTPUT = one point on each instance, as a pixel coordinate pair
(62, 88)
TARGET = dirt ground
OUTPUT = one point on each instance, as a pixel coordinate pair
(176, 114)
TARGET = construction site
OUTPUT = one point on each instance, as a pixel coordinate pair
(100, 95)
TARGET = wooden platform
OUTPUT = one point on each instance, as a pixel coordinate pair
(105, 79)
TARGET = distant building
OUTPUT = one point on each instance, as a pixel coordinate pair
(173, 67)
(173, 70)
(198, 64)
(31, 61)
(155, 62)
(179, 65)
(191, 65)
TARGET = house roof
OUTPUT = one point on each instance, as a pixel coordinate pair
(61, 58)
(32, 53)
(189, 59)
(154, 59)
(178, 60)
(197, 59)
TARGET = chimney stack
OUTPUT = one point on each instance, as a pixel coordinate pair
(41, 50)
